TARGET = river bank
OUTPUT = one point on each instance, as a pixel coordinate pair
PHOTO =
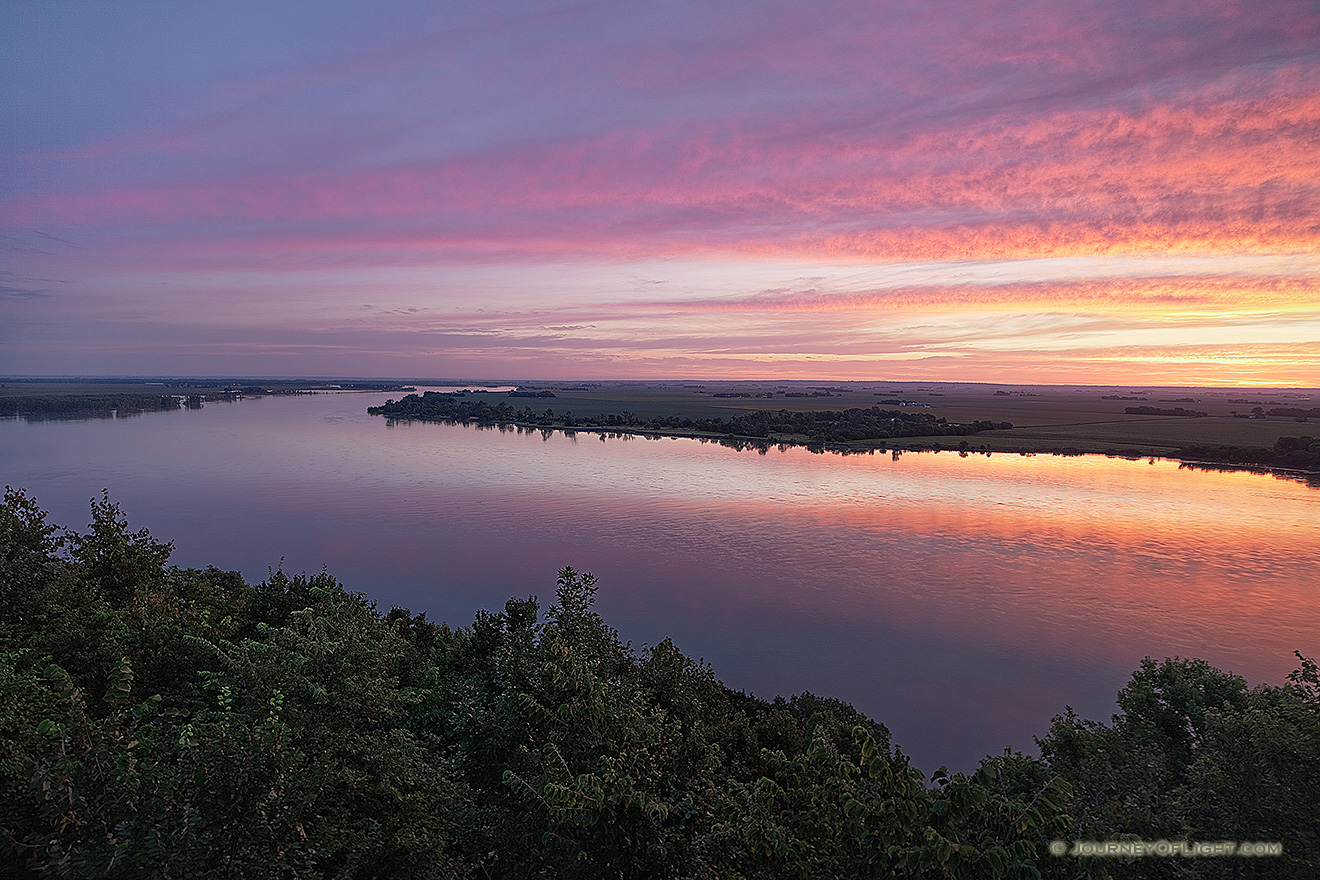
(912, 426)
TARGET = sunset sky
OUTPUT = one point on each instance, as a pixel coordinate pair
(1085, 191)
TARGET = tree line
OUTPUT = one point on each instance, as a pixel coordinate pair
(1165, 411)
(1301, 453)
(82, 405)
(812, 428)
(166, 722)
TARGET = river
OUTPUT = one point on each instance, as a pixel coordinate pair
(961, 601)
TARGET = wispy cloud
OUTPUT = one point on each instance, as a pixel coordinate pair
(9, 292)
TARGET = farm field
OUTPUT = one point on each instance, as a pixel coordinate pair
(1043, 417)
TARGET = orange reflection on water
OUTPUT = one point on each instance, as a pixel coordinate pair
(1086, 556)
(1059, 560)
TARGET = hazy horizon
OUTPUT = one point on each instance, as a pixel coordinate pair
(490, 380)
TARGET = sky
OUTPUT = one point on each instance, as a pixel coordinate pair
(1072, 191)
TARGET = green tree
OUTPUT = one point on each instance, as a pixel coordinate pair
(1197, 755)
(120, 563)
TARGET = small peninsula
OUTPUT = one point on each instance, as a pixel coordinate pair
(1228, 428)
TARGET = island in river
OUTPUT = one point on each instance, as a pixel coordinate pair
(1254, 428)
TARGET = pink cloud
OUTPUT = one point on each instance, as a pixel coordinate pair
(1225, 170)
(1120, 294)
(1028, 129)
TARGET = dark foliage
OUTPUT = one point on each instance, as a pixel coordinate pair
(1164, 411)
(165, 722)
(61, 406)
(1302, 453)
(812, 428)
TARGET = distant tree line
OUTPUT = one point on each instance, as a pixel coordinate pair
(373, 386)
(281, 387)
(1294, 412)
(835, 426)
(159, 722)
(1164, 411)
(83, 405)
(54, 406)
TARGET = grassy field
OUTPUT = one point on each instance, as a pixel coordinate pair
(1043, 417)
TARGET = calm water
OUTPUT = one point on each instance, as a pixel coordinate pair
(962, 602)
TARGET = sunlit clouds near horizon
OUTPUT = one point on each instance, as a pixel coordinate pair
(1081, 192)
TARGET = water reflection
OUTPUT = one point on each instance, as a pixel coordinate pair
(960, 601)
(105, 415)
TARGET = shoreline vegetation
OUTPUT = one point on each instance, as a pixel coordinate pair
(1249, 429)
(850, 431)
(171, 723)
(834, 429)
(189, 395)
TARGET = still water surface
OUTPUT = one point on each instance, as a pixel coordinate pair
(962, 602)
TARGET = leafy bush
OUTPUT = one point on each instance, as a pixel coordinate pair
(166, 722)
